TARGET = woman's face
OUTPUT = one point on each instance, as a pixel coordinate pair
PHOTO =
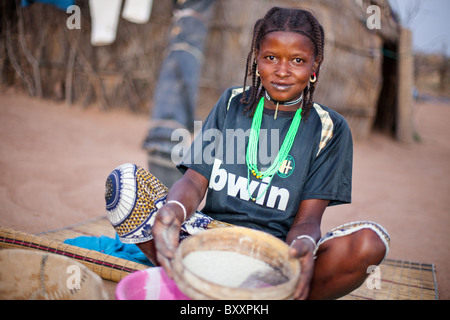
(286, 62)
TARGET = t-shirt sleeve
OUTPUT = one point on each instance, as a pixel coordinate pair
(330, 174)
(207, 142)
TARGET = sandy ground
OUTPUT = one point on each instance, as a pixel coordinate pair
(54, 160)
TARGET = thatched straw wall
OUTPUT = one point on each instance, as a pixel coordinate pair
(119, 75)
(39, 53)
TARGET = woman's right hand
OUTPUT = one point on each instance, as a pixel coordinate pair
(166, 234)
(189, 190)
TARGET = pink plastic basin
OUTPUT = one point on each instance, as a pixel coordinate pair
(149, 284)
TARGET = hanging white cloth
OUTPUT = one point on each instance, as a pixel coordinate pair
(137, 11)
(105, 16)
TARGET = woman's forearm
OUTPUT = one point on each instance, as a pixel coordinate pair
(189, 191)
(308, 220)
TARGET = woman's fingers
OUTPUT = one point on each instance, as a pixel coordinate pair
(304, 252)
(166, 232)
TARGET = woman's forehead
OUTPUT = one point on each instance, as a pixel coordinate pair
(287, 39)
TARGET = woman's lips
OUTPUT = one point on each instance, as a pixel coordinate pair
(281, 86)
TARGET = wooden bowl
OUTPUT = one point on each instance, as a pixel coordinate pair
(251, 243)
(33, 275)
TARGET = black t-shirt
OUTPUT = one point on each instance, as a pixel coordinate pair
(319, 165)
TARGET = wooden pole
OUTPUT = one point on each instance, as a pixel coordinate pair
(405, 87)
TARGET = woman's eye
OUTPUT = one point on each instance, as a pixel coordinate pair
(298, 60)
(271, 58)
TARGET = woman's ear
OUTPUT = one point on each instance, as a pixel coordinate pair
(316, 65)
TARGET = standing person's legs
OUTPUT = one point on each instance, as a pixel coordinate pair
(175, 98)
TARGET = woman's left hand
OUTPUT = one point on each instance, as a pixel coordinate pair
(304, 251)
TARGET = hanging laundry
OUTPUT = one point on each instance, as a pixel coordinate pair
(137, 11)
(61, 4)
(105, 16)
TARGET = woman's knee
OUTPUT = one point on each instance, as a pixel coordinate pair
(368, 248)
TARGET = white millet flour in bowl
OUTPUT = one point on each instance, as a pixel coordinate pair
(232, 269)
(235, 263)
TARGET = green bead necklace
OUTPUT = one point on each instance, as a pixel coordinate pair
(251, 157)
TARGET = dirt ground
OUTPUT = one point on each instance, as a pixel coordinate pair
(54, 160)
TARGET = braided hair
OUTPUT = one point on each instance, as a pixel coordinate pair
(289, 20)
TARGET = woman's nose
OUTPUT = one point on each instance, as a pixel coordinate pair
(283, 69)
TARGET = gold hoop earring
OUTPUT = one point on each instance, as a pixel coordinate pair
(313, 78)
(257, 73)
